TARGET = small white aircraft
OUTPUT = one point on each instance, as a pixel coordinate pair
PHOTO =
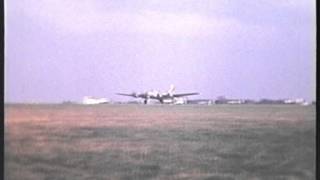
(91, 100)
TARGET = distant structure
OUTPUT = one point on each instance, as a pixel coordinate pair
(88, 100)
(297, 101)
(224, 100)
(68, 102)
(180, 100)
(201, 101)
(305, 104)
(272, 101)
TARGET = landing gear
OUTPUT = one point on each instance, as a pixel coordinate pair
(145, 101)
(161, 101)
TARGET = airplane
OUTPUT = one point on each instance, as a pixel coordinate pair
(88, 100)
(162, 97)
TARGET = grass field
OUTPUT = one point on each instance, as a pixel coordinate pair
(159, 142)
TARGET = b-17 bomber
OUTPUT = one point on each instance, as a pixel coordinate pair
(161, 97)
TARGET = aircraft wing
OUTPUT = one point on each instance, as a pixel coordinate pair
(185, 94)
(123, 94)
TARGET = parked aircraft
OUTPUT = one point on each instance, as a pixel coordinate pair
(91, 100)
(162, 97)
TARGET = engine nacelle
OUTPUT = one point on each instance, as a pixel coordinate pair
(134, 94)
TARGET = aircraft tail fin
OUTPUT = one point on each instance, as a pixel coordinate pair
(171, 90)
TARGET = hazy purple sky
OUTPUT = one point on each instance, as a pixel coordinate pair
(59, 50)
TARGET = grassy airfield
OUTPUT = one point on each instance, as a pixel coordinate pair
(159, 142)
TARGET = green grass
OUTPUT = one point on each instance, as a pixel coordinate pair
(159, 142)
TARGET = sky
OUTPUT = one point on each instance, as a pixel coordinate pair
(58, 50)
